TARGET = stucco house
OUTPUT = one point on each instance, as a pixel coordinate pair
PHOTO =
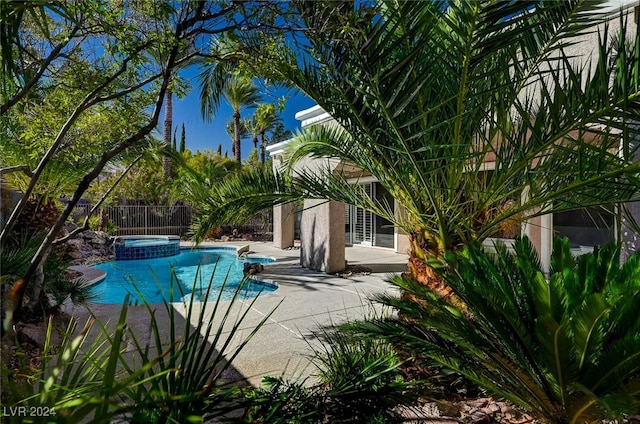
(327, 227)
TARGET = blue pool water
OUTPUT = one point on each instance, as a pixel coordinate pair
(153, 277)
(146, 242)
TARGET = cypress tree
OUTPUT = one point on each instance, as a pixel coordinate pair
(183, 140)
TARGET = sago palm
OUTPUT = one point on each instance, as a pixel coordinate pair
(428, 94)
(566, 349)
(194, 182)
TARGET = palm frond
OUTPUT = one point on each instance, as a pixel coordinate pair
(241, 196)
(212, 82)
(428, 92)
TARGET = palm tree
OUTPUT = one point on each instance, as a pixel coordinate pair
(195, 178)
(219, 79)
(215, 73)
(427, 93)
(168, 109)
(280, 133)
(267, 118)
(228, 65)
(239, 92)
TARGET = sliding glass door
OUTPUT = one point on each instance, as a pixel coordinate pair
(365, 228)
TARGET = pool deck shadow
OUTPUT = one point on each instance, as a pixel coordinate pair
(304, 302)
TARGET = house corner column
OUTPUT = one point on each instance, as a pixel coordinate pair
(322, 236)
(283, 225)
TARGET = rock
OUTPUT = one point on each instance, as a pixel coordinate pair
(243, 250)
(253, 268)
(225, 238)
(478, 403)
(36, 334)
(88, 247)
(492, 408)
(102, 237)
(88, 234)
(353, 271)
(75, 242)
(448, 409)
(470, 411)
(69, 226)
(74, 254)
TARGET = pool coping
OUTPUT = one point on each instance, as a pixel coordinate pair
(89, 274)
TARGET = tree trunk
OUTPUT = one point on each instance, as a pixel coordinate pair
(262, 148)
(17, 290)
(168, 123)
(236, 136)
(38, 284)
(426, 275)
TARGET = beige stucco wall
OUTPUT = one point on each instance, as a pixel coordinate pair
(403, 243)
(322, 236)
(283, 218)
(283, 226)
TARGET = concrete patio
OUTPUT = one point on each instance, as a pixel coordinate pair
(304, 302)
(309, 300)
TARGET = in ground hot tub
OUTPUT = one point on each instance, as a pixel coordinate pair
(146, 247)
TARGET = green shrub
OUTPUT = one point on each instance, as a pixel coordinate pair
(359, 382)
(283, 402)
(60, 287)
(15, 259)
(102, 375)
(362, 378)
(102, 223)
(566, 348)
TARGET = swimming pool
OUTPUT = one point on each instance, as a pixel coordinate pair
(153, 276)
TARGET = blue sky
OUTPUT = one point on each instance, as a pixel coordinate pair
(201, 135)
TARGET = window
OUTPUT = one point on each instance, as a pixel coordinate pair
(365, 228)
(585, 227)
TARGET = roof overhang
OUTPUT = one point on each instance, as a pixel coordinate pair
(313, 115)
(277, 148)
